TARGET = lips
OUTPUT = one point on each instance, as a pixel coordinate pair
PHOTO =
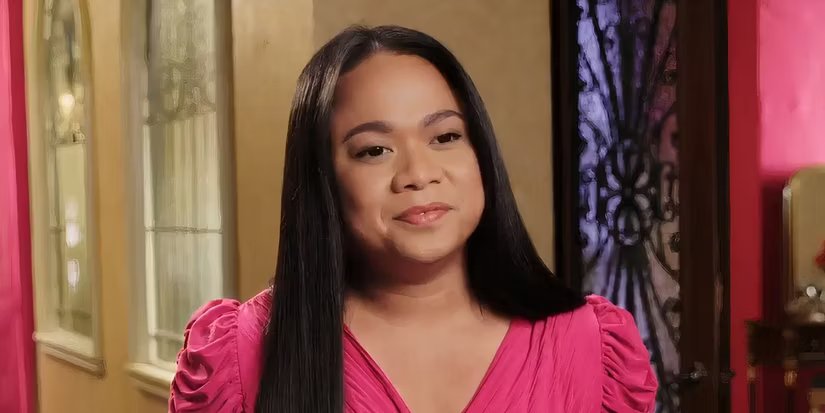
(424, 214)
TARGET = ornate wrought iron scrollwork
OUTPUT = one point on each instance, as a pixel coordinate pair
(628, 169)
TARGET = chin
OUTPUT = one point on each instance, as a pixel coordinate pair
(427, 252)
(424, 257)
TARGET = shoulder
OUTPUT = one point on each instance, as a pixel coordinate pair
(218, 367)
(627, 383)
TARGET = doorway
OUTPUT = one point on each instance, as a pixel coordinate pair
(640, 151)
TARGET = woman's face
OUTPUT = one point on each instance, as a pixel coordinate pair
(408, 176)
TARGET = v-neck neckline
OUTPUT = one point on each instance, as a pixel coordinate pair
(398, 399)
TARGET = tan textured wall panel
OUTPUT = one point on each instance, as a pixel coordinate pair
(272, 43)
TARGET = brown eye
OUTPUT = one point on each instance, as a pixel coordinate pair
(372, 152)
(447, 138)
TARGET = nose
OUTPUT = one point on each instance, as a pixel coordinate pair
(416, 169)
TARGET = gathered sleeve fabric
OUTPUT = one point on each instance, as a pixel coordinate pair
(629, 384)
(219, 364)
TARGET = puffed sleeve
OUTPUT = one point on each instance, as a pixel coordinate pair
(629, 384)
(208, 377)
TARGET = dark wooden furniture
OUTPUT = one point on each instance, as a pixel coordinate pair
(793, 347)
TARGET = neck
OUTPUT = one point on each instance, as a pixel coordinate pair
(413, 294)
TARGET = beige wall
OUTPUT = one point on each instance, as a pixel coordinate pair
(505, 46)
(272, 40)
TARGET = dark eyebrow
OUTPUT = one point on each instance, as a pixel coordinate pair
(374, 126)
(440, 115)
(382, 127)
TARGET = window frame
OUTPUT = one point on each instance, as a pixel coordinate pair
(151, 375)
(84, 352)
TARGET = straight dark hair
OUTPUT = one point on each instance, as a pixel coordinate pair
(303, 361)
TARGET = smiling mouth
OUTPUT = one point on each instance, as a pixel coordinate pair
(425, 214)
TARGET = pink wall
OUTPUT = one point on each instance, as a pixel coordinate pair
(777, 125)
(17, 378)
(792, 89)
(792, 83)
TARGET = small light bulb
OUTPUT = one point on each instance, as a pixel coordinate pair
(66, 102)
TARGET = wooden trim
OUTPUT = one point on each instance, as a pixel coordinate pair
(704, 220)
(565, 155)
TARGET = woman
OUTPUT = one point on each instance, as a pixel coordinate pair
(406, 281)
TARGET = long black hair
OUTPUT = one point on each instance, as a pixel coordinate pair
(303, 361)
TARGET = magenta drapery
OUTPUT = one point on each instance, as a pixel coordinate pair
(17, 373)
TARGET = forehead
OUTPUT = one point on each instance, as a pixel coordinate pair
(392, 87)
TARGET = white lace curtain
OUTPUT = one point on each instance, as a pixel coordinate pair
(184, 168)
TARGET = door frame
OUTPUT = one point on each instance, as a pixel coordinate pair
(703, 187)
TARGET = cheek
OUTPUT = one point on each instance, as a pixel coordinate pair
(362, 198)
(468, 181)
(476, 199)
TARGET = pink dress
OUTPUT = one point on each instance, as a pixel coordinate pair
(587, 360)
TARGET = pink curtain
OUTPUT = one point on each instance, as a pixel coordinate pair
(17, 374)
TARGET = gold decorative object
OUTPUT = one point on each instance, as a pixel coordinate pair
(804, 211)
